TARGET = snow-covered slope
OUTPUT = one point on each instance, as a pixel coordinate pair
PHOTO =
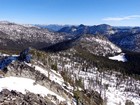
(114, 87)
(95, 44)
(67, 78)
(37, 79)
(24, 84)
(18, 35)
(99, 45)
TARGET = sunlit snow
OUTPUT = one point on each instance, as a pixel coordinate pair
(120, 57)
(24, 84)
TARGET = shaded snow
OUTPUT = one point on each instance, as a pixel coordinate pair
(120, 57)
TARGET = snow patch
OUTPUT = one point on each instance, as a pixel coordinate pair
(74, 29)
(120, 57)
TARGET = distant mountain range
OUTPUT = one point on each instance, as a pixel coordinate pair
(16, 36)
(127, 38)
(103, 29)
(82, 29)
(51, 27)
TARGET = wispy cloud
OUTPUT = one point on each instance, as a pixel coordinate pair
(121, 18)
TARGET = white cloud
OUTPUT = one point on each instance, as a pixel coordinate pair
(121, 18)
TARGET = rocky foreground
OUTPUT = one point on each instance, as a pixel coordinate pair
(16, 98)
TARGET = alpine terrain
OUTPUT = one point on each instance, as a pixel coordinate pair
(77, 65)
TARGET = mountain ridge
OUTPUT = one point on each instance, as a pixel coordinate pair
(17, 36)
(120, 36)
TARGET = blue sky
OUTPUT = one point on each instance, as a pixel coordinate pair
(88, 12)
